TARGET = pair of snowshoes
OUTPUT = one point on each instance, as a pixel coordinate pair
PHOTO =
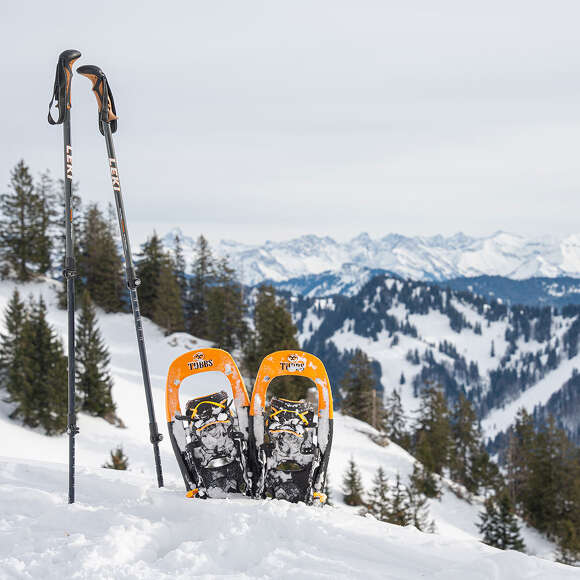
(226, 445)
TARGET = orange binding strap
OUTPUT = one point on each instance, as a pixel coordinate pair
(200, 361)
(297, 363)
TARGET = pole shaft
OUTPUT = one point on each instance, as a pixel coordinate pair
(69, 274)
(132, 283)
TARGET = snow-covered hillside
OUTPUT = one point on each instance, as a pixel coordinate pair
(504, 358)
(124, 527)
(419, 258)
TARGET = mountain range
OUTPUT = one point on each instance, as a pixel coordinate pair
(345, 266)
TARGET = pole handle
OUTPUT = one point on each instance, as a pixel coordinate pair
(61, 90)
(102, 90)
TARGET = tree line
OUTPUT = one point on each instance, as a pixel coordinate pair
(539, 480)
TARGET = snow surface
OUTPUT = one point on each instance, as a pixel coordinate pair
(122, 526)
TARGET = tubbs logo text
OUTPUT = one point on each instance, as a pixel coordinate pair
(199, 363)
(293, 364)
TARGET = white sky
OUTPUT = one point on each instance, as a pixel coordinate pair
(263, 120)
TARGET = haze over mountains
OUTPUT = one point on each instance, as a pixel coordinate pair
(433, 258)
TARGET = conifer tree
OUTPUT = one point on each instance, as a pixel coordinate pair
(11, 340)
(159, 293)
(499, 526)
(180, 268)
(394, 422)
(167, 306)
(118, 460)
(199, 284)
(352, 487)
(466, 445)
(41, 397)
(433, 433)
(149, 271)
(24, 238)
(99, 261)
(379, 504)
(225, 309)
(424, 481)
(357, 387)
(399, 509)
(273, 330)
(417, 500)
(45, 190)
(94, 383)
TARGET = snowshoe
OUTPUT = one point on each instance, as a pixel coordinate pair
(210, 441)
(290, 442)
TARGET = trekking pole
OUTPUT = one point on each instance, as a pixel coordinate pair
(107, 126)
(61, 96)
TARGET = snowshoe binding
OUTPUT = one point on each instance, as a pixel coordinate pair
(290, 443)
(210, 440)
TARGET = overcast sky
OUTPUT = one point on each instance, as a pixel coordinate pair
(263, 120)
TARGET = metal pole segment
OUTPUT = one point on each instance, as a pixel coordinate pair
(132, 283)
(69, 275)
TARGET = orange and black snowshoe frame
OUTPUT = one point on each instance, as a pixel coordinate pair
(293, 363)
(192, 363)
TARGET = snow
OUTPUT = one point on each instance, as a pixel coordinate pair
(123, 526)
(422, 258)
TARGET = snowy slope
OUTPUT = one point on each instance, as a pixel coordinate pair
(420, 258)
(123, 526)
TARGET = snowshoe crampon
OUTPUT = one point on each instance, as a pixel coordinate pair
(210, 439)
(290, 443)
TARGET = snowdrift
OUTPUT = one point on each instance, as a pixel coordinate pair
(125, 527)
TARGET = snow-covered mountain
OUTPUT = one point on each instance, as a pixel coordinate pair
(419, 258)
(122, 526)
(502, 357)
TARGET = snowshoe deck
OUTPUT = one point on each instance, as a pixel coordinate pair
(211, 443)
(290, 443)
(290, 437)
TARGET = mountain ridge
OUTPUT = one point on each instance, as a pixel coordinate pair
(428, 258)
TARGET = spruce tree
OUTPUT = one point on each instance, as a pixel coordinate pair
(379, 503)
(394, 422)
(424, 481)
(273, 330)
(498, 524)
(118, 460)
(399, 510)
(41, 399)
(149, 268)
(357, 388)
(180, 267)
(94, 383)
(11, 340)
(417, 501)
(99, 261)
(466, 445)
(199, 284)
(45, 190)
(225, 309)
(352, 487)
(167, 309)
(433, 433)
(24, 237)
